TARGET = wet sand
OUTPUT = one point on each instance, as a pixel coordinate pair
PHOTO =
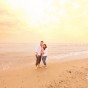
(59, 74)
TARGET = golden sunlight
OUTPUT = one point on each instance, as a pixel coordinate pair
(65, 20)
(36, 12)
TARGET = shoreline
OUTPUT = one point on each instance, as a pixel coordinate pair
(31, 63)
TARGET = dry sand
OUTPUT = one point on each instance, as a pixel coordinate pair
(65, 74)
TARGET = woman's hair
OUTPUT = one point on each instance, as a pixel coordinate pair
(45, 46)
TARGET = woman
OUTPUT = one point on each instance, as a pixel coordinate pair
(44, 54)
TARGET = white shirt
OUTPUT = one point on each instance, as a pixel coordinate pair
(38, 50)
(45, 52)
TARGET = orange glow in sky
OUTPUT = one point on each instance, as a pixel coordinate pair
(49, 20)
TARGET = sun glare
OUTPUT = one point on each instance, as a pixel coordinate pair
(36, 12)
(76, 5)
(52, 18)
(41, 12)
(15, 3)
(63, 1)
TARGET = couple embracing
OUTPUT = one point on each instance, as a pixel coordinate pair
(41, 54)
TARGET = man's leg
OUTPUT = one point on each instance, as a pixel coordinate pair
(36, 60)
(39, 59)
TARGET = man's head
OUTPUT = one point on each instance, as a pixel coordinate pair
(41, 43)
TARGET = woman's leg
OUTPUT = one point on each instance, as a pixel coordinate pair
(44, 60)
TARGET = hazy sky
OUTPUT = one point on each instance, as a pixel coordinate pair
(48, 20)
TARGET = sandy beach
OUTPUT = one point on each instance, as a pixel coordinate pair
(55, 29)
(59, 74)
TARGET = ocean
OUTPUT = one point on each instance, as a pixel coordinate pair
(14, 54)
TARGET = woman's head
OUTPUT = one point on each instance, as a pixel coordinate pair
(44, 46)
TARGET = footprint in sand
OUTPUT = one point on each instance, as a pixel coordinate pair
(69, 71)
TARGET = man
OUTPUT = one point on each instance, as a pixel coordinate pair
(38, 54)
